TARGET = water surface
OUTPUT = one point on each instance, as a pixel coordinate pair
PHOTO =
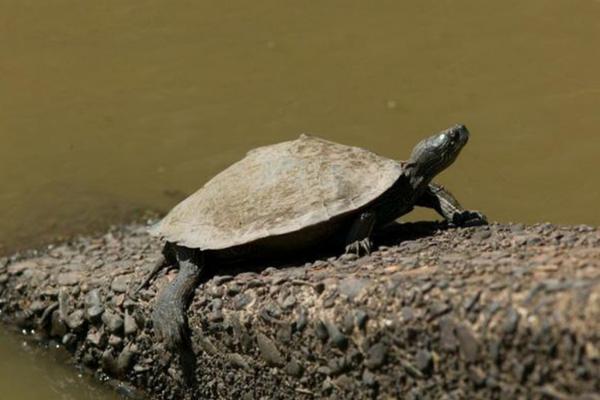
(28, 372)
(115, 106)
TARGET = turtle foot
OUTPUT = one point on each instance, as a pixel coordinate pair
(359, 247)
(469, 218)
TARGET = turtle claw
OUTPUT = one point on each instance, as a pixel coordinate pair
(359, 247)
(469, 218)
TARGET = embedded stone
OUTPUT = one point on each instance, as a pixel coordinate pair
(120, 283)
(68, 278)
(113, 322)
(76, 320)
(293, 368)
(468, 344)
(129, 324)
(376, 356)
(268, 350)
(351, 287)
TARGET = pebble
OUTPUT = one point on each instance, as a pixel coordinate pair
(58, 328)
(448, 340)
(351, 287)
(241, 300)
(115, 341)
(221, 279)
(438, 309)
(329, 301)
(68, 278)
(233, 289)
(69, 340)
(284, 333)
(468, 344)
(481, 235)
(293, 368)
(17, 268)
(368, 378)
(289, 301)
(411, 369)
(348, 323)
(361, 319)
(129, 325)
(94, 313)
(268, 350)
(120, 283)
(94, 307)
(511, 322)
(424, 361)
(337, 366)
(76, 320)
(96, 338)
(337, 338)
(113, 322)
(238, 361)
(321, 330)
(37, 306)
(376, 356)
(107, 362)
(477, 376)
(302, 320)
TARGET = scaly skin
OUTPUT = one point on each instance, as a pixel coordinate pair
(170, 322)
(169, 314)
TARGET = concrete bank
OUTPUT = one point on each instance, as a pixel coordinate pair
(502, 311)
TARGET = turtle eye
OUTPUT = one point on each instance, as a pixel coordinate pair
(454, 136)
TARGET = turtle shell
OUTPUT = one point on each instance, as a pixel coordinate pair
(278, 189)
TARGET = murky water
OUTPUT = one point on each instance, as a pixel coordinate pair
(108, 108)
(28, 372)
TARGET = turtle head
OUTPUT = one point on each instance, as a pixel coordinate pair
(434, 154)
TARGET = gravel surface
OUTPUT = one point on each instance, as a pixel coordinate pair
(500, 311)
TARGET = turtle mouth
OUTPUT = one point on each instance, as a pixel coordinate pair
(457, 136)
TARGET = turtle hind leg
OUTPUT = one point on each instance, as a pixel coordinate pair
(359, 237)
(169, 313)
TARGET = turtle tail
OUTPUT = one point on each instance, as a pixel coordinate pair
(166, 259)
(169, 313)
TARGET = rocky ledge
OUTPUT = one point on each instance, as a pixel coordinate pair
(500, 311)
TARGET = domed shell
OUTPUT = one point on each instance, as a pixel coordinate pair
(278, 189)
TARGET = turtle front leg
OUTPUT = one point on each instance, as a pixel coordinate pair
(359, 237)
(447, 206)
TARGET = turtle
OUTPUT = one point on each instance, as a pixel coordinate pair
(289, 197)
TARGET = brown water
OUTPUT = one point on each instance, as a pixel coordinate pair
(111, 107)
(28, 372)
